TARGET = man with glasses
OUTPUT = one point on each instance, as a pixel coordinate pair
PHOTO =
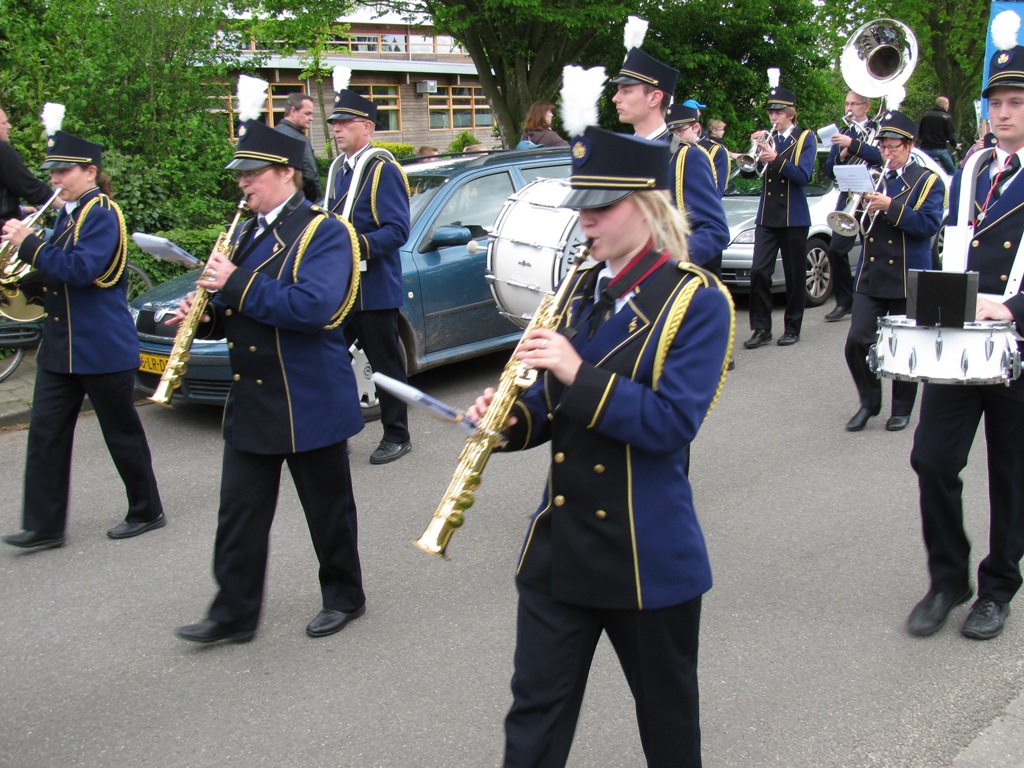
(902, 218)
(849, 146)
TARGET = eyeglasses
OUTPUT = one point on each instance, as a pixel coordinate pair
(854, 103)
(250, 175)
(890, 147)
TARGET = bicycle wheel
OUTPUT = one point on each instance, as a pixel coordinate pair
(10, 359)
(139, 280)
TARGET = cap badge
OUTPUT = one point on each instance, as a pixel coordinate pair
(242, 130)
(580, 151)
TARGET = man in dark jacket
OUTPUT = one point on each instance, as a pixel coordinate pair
(937, 134)
(16, 181)
(297, 119)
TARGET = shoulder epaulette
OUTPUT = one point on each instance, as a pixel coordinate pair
(112, 274)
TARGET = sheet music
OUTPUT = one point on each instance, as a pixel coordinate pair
(854, 178)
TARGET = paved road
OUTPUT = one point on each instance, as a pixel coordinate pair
(815, 546)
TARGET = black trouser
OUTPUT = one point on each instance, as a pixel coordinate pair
(839, 248)
(377, 332)
(56, 404)
(768, 243)
(555, 645)
(248, 500)
(863, 333)
(949, 420)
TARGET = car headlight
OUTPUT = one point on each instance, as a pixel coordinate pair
(746, 237)
(135, 314)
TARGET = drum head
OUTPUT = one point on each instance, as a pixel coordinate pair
(529, 247)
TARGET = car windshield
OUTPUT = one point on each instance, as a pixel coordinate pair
(423, 188)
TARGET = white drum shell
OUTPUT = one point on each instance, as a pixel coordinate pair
(983, 352)
(529, 247)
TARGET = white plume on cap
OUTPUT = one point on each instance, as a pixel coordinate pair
(252, 97)
(342, 75)
(1005, 27)
(636, 30)
(773, 77)
(53, 117)
(894, 98)
(581, 91)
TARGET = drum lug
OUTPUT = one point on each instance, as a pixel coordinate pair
(990, 347)
(892, 344)
(872, 358)
(963, 363)
(938, 346)
(913, 359)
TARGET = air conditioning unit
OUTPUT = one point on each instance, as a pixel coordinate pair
(426, 86)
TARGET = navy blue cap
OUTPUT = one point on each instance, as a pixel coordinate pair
(780, 98)
(896, 125)
(681, 114)
(1005, 69)
(640, 68)
(259, 145)
(606, 167)
(66, 151)
(349, 105)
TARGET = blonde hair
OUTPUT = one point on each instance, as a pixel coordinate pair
(667, 223)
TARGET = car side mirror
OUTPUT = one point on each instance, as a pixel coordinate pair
(448, 236)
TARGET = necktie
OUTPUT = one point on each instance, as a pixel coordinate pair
(604, 307)
(261, 225)
(1004, 176)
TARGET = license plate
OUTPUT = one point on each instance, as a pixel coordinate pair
(153, 363)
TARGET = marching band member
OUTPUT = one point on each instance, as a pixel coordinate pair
(615, 546)
(949, 413)
(694, 192)
(850, 145)
(644, 87)
(904, 217)
(282, 294)
(783, 218)
(89, 346)
(380, 214)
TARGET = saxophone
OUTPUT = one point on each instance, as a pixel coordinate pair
(515, 379)
(176, 366)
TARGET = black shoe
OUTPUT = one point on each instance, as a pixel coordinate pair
(837, 314)
(985, 620)
(896, 423)
(788, 339)
(210, 631)
(930, 614)
(35, 540)
(758, 339)
(388, 451)
(126, 530)
(328, 621)
(732, 364)
(860, 418)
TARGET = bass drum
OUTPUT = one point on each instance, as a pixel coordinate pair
(529, 247)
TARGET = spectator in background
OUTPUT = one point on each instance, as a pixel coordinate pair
(426, 151)
(16, 181)
(716, 131)
(475, 149)
(938, 135)
(537, 126)
(298, 116)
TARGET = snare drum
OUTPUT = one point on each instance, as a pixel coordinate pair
(529, 247)
(983, 352)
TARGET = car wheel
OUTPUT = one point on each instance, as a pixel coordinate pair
(819, 273)
(364, 382)
(937, 244)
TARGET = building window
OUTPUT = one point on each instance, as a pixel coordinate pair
(389, 108)
(459, 107)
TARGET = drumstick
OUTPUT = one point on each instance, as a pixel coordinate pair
(433, 406)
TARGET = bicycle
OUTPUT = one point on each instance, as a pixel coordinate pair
(15, 337)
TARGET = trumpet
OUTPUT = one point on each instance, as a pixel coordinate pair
(515, 379)
(176, 366)
(14, 303)
(751, 162)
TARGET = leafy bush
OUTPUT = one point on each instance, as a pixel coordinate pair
(198, 242)
(463, 140)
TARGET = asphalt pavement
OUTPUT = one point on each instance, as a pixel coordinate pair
(815, 544)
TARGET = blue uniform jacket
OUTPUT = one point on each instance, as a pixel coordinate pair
(994, 245)
(616, 527)
(88, 328)
(694, 192)
(783, 197)
(381, 219)
(868, 153)
(293, 387)
(720, 161)
(901, 238)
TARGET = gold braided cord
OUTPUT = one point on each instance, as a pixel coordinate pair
(675, 321)
(112, 274)
(353, 286)
(373, 192)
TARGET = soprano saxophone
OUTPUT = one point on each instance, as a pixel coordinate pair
(177, 361)
(515, 379)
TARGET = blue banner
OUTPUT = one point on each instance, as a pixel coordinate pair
(990, 47)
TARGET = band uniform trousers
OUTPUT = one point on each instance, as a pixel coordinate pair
(768, 242)
(377, 332)
(949, 421)
(839, 248)
(554, 648)
(863, 333)
(248, 499)
(56, 403)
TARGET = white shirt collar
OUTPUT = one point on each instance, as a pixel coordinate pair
(659, 131)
